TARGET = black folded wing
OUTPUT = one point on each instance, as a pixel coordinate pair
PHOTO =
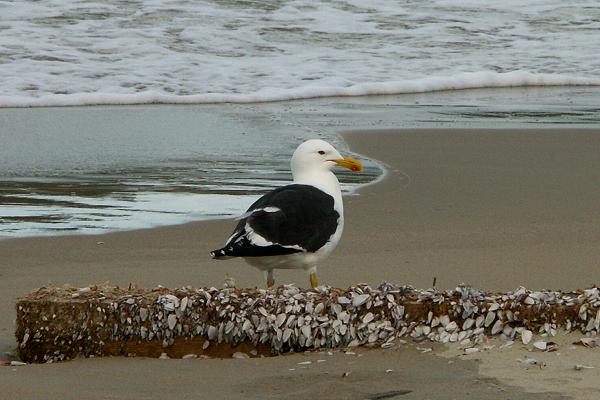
(290, 219)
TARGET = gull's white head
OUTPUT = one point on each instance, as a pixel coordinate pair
(317, 156)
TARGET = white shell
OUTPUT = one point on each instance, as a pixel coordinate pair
(172, 321)
(444, 320)
(541, 345)
(359, 299)
(306, 331)
(468, 324)
(583, 312)
(343, 329)
(451, 326)
(579, 367)
(497, 328)
(212, 332)
(246, 325)
(479, 321)
(286, 334)
(526, 336)
(184, 303)
(489, 318)
(280, 320)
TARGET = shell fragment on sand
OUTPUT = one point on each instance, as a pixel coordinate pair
(587, 342)
(15, 363)
(531, 361)
(540, 345)
(471, 350)
(579, 367)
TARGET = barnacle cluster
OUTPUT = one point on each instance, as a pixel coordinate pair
(54, 324)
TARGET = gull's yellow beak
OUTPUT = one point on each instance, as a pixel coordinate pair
(350, 163)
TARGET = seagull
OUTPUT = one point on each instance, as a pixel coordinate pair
(295, 226)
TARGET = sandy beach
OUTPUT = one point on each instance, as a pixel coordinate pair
(493, 208)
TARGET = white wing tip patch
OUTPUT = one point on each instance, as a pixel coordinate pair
(265, 209)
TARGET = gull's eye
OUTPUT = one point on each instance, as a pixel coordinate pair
(321, 152)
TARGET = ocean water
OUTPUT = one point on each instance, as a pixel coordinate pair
(74, 170)
(73, 52)
(218, 140)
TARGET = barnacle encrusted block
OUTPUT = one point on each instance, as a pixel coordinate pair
(55, 324)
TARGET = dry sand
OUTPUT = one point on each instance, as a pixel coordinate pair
(496, 209)
(551, 371)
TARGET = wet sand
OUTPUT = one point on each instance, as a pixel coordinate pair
(496, 209)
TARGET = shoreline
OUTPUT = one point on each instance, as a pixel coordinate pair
(352, 189)
(76, 139)
(450, 222)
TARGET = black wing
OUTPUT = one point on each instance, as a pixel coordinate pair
(291, 219)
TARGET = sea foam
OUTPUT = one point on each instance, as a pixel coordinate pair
(472, 80)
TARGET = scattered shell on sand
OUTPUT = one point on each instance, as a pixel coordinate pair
(15, 363)
(579, 367)
(531, 361)
(587, 342)
(540, 345)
